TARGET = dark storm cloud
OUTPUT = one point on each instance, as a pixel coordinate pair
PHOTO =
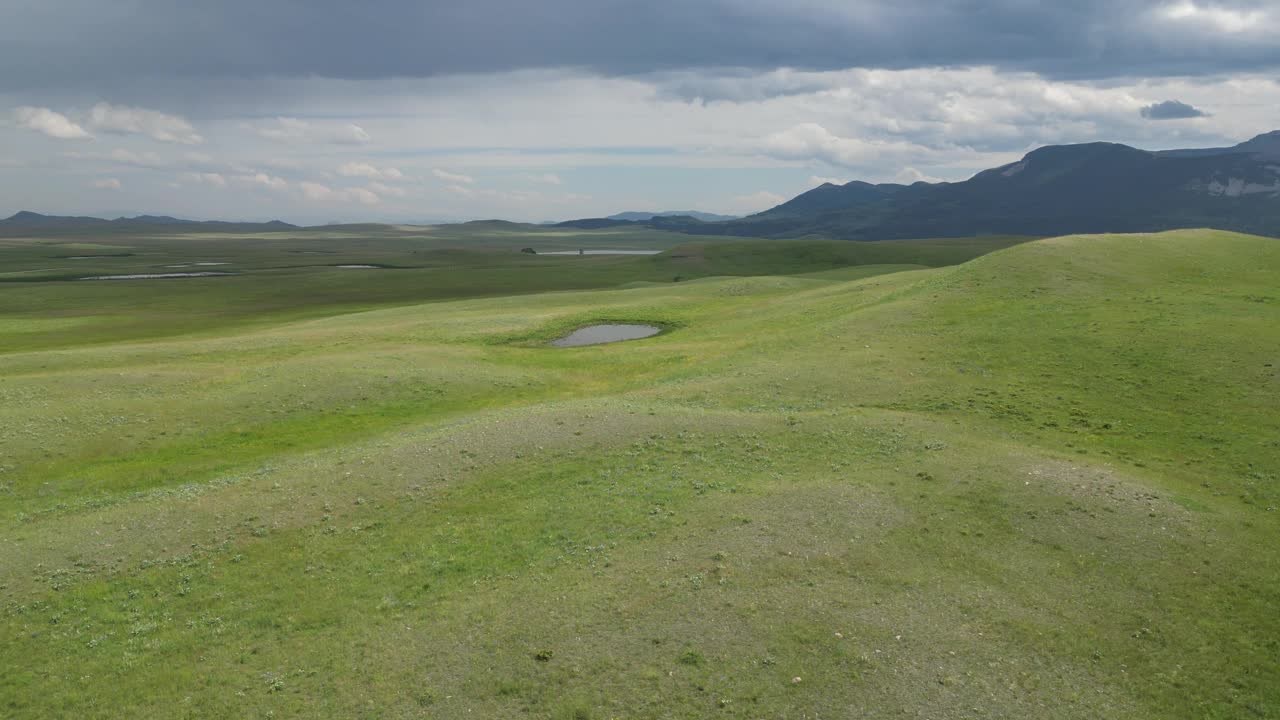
(1171, 110)
(92, 44)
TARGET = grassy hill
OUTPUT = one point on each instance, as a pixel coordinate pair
(1041, 483)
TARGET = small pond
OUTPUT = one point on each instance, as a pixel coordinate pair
(608, 333)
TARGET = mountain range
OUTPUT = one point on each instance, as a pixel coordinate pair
(27, 221)
(633, 216)
(1054, 190)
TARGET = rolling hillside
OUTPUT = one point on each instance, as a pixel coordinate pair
(1041, 483)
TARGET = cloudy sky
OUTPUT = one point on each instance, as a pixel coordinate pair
(399, 110)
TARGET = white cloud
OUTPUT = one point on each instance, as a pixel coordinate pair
(382, 188)
(107, 184)
(362, 169)
(285, 130)
(315, 191)
(816, 180)
(347, 135)
(263, 180)
(278, 163)
(140, 121)
(293, 130)
(544, 178)
(53, 124)
(525, 200)
(753, 203)
(354, 169)
(811, 141)
(694, 86)
(642, 147)
(143, 159)
(910, 175)
(363, 196)
(1219, 18)
(210, 178)
(121, 157)
(318, 192)
(453, 178)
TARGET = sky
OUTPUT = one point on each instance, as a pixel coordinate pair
(390, 110)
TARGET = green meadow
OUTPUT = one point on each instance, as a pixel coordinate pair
(277, 277)
(983, 478)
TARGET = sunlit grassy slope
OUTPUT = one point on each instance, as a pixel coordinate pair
(1038, 484)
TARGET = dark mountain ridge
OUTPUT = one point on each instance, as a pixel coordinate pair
(1054, 190)
(635, 216)
(25, 220)
(1266, 145)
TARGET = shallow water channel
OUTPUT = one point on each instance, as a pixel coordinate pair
(159, 276)
(601, 252)
(608, 333)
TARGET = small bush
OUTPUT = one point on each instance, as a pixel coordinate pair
(691, 657)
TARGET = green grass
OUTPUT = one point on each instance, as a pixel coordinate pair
(292, 275)
(1041, 483)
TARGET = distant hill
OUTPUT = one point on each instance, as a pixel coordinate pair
(680, 222)
(496, 225)
(157, 220)
(1266, 145)
(633, 216)
(1055, 190)
(828, 197)
(27, 221)
(600, 223)
(26, 218)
